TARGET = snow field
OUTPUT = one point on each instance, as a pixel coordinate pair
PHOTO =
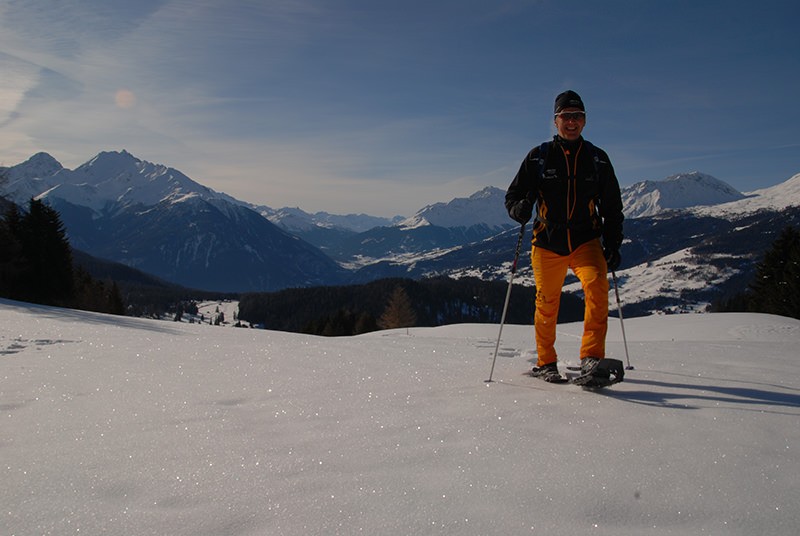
(130, 426)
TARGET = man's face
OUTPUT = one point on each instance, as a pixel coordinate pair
(570, 123)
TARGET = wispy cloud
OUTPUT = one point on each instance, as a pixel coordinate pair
(385, 103)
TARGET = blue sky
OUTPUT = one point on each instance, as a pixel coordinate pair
(384, 107)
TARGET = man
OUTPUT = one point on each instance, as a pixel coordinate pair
(576, 194)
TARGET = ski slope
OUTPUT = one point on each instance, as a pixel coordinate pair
(116, 425)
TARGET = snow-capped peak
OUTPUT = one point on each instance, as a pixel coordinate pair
(485, 207)
(26, 180)
(110, 178)
(683, 190)
(109, 161)
(39, 165)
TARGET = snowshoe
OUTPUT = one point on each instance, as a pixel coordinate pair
(548, 373)
(598, 373)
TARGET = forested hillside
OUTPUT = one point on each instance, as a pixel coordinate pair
(347, 310)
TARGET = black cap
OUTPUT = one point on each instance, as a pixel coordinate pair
(569, 99)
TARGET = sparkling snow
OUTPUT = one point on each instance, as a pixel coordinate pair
(126, 426)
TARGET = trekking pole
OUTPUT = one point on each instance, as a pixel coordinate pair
(508, 297)
(621, 323)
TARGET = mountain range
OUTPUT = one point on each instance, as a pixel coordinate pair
(156, 219)
(689, 237)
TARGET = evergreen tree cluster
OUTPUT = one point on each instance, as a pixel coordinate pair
(36, 264)
(390, 303)
(776, 286)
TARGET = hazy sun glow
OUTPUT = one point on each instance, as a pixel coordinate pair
(125, 99)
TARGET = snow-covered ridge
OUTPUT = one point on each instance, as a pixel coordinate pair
(121, 178)
(296, 219)
(778, 197)
(110, 178)
(648, 198)
(485, 207)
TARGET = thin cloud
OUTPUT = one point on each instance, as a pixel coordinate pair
(366, 98)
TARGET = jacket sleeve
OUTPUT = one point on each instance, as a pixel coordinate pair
(610, 204)
(524, 183)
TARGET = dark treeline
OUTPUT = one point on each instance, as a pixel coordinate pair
(776, 286)
(349, 310)
(36, 264)
(145, 295)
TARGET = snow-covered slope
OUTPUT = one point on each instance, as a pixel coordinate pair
(129, 426)
(676, 283)
(648, 198)
(778, 197)
(485, 207)
(295, 219)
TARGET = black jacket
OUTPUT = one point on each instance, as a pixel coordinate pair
(577, 196)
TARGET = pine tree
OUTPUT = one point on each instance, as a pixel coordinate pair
(776, 288)
(11, 262)
(48, 278)
(398, 313)
(36, 258)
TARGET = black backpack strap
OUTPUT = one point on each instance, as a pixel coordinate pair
(544, 149)
(595, 156)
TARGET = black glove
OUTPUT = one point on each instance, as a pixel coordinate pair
(522, 211)
(613, 258)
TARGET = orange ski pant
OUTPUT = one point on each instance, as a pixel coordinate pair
(549, 270)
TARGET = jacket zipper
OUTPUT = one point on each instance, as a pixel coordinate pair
(571, 188)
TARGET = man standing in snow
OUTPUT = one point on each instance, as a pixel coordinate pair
(577, 198)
